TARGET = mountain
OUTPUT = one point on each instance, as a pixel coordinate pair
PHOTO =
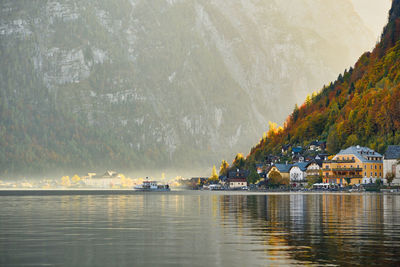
(362, 107)
(371, 13)
(137, 84)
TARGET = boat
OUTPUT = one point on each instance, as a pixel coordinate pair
(152, 186)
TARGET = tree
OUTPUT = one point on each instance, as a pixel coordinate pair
(213, 179)
(253, 176)
(314, 179)
(295, 114)
(75, 179)
(239, 161)
(389, 177)
(65, 181)
(274, 178)
(223, 169)
(332, 142)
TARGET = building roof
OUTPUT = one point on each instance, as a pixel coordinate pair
(237, 180)
(283, 167)
(238, 174)
(316, 161)
(301, 165)
(360, 152)
(297, 149)
(392, 152)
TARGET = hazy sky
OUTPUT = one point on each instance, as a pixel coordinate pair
(374, 13)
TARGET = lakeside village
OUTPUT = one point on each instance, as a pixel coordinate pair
(355, 168)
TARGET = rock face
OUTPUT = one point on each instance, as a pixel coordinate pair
(169, 81)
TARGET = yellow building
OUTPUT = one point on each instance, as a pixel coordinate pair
(354, 165)
(282, 169)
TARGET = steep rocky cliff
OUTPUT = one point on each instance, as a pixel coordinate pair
(135, 83)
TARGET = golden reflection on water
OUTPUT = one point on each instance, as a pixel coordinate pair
(307, 227)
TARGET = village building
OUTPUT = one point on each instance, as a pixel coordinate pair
(237, 183)
(353, 165)
(285, 148)
(317, 145)
(322, 156)
(297, 150)
(391, 163)
(282, 169)
(298, 174)
(108, 180)
(238, 178)
(314, 168)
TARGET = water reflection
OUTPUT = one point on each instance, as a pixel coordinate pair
(200, 229)
(335, 229)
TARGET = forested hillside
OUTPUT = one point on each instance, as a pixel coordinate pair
(362, 107)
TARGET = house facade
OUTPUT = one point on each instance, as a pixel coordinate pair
(390, 163)
(314, 168)
(298, 174)
(353, 165)
(237, 182)
(107, 180)
(282, 169)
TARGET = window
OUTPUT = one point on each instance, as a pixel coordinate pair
(375, 175)
(380, 167)
(365, 174)
(352, 158)
(380, 174)
(375, 167)
(370, 175)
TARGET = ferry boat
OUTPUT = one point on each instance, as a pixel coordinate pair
(150, 186)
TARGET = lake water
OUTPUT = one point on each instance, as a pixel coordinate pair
(200, 229)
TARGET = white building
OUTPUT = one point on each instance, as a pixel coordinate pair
(237, 182)
(108, 180)
(390, 160)
(313, 169)
(298, 174)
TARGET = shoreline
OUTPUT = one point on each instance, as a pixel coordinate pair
(99, 192)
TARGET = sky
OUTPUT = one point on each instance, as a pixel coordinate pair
(374, 13)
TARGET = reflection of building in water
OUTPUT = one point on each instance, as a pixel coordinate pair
(314, 227)
(391, 208)
(298, 208)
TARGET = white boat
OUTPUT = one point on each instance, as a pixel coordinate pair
(152, 186)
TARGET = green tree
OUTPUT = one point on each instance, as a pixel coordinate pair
(253, 176)
(239, 161)
(352, 140)
(295, 114)
(332, 142)
(223, 169)
(389, 177)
